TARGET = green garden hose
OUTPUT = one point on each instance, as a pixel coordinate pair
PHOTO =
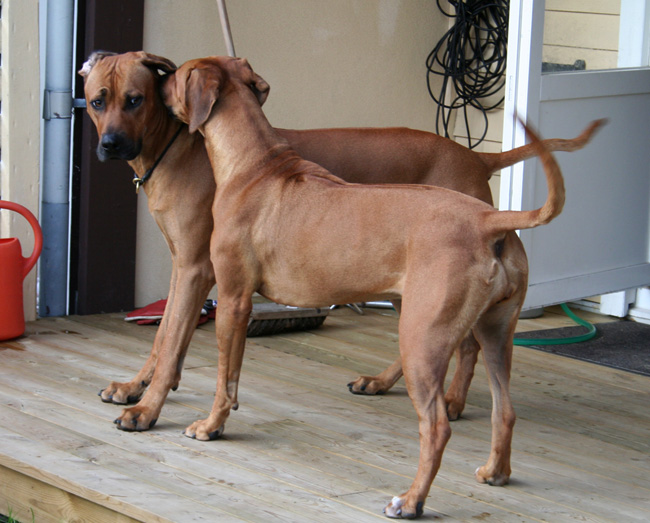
(561, 341)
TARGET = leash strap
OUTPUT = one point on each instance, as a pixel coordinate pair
(139, 182)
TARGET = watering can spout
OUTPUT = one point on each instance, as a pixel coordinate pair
(13, 269)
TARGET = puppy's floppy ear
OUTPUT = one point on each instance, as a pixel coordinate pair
(94, 57)
(201, 93)
(157, 63)
(258, 85)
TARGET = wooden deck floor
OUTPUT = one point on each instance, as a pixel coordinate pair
(301, 447)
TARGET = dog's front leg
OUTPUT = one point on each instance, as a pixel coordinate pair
(181, 316)
(231, 322)
(124, 393)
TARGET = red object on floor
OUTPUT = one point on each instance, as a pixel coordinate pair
(153, 313)
(13, 269)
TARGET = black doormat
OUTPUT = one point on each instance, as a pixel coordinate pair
(622, 345)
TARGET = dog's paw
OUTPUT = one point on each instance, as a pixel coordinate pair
(496, 479)
(203, 431)
(398, 508)
(135, 419)
(454, 409)
(122, 393)
(367, 385)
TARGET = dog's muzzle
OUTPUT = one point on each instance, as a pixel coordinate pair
(117, 146)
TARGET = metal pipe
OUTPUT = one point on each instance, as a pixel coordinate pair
(225, 26)
(55, 183)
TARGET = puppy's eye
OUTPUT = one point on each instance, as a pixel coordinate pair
(133, 101)
(97, 104)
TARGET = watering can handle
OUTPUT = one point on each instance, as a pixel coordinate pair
(28, 263)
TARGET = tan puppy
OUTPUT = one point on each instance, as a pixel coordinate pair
(122, 92)
(455, 261)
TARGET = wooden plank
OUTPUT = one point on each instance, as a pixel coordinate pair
(293, 410)
(301, 446)
(82, 421)
(32, 500)
(612, 7)
(581, 30)
(305, 452)
(594, 58)
(56, 467)
(227, 485)
(477, 124)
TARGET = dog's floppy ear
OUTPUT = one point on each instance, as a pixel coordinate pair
(258, 85)
(94, 57)
(201, 93)
(158, 63)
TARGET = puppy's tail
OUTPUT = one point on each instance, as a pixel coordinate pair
(502, 221)
(496, 161)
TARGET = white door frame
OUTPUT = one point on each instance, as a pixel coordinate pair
(535, 98)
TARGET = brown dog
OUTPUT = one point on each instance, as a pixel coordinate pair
(122, 92)
(455, 261)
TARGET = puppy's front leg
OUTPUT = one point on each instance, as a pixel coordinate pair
(231, 322)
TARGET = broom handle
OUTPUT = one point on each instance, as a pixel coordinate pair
(225, 26)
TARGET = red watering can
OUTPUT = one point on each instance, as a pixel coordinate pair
(13, 269)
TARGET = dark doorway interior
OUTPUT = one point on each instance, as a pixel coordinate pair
(103, 215)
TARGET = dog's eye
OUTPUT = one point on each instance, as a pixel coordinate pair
(97, 104)
(133, 101)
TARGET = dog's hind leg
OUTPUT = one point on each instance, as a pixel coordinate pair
(495, 331)
(456, 395)
(383, 382)
(426, 347)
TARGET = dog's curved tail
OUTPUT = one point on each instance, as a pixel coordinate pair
(502, 221)
(496, 161)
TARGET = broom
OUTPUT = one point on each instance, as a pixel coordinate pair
(271, 318)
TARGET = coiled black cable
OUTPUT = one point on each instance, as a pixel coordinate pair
(472, 57)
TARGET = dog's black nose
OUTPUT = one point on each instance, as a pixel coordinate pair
(111, 142)
(116, 145)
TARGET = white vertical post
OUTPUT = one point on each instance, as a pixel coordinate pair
(523, 77)
(634, 34)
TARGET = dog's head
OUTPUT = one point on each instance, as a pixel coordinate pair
(123, 99)
(192, 91)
